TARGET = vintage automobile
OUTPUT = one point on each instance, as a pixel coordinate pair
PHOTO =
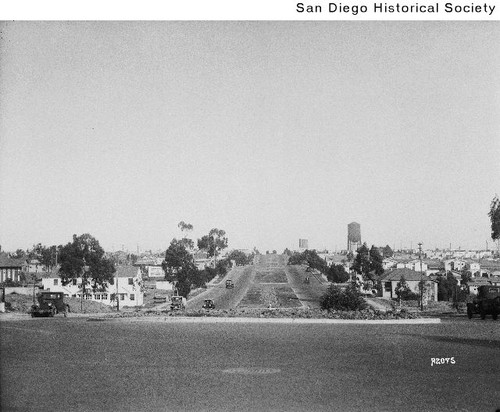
(177, 303)
(49, 304)
(229, 284)
(208, 304)
(487, 302)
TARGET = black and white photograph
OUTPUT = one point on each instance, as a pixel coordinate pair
(251, 215)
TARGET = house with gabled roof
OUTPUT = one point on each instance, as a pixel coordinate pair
(126, 285)
(11, 268)
(391, 278)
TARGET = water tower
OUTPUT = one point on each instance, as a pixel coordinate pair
(353, 236)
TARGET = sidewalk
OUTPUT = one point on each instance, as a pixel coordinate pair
(179, 319)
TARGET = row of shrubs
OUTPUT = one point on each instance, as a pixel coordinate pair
(365, 314)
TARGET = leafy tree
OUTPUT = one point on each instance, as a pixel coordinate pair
(185, 229)
(180, 269)
(403, 291)
(47, 256)
(314, 261)
(388, 252)
(296, 259)
(368, 262)
(133, 258)
(337, 274)
(36, 251)
(177, 258)
(287, 252)
(376, 261)
(466, 277)
(240, 257)
(214, 242)
(84, 257)
(19, 253)
(362, 264)
(336, 298)
(309, 257)
(494, 215)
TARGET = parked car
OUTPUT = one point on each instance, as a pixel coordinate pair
(229, 284)
(208, 304)
(487, 302)
(49, 304)
(178, 303)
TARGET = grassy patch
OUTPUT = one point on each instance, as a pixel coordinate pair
(272, 276)
(286, 298)
(253, 298)
(276, 296)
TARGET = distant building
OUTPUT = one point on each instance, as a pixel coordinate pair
(151, 266)
(11, 268)
(303, 244)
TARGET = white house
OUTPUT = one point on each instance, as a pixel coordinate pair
(390, 280)
(412, 265)
(126, 285)
(473, 266)
(388, 263)
(454, 264)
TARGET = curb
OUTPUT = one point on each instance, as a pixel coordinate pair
(178, 319)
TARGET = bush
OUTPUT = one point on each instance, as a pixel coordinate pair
(337, 298)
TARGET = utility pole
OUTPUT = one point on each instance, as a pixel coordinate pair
(117, 297)
(421, 277)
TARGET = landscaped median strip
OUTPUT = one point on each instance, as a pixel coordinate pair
(193, 319)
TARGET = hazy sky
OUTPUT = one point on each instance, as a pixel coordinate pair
(272, 131)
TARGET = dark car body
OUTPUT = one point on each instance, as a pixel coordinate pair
(49, 304)
(229, 284)
(208, 304)
(487, 302)
(178, 303)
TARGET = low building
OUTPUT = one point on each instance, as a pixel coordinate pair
(391, 278)
(151, 267)
(126, 285)
(454, 265)
(389, 263)
(12, 268)
(434, 266)
(413, 264)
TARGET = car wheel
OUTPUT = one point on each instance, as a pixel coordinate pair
(483, 313)
(494, 315)
(469, 313)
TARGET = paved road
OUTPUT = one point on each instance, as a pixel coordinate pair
(245, 277)
(308, 293)
(76, 365)
(226, 298)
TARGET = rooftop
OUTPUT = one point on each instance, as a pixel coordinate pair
(409, 275)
